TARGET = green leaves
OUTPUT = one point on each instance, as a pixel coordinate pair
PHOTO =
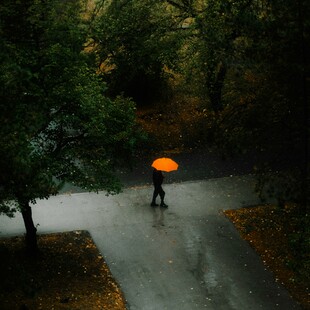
(56, 123)
(131, 42)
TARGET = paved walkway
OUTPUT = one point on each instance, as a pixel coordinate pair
(188, 256)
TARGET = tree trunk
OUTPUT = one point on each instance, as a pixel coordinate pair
(31, 231)
(215, 87)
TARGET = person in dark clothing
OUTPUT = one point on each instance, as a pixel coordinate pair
(158, 190)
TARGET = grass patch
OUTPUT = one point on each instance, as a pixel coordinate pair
(68, 273)
(271, 231)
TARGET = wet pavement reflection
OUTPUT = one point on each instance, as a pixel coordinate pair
(188, 256)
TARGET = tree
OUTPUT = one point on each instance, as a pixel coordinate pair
(56, 124)
(267, 98)
(250, 59)
(133, 45)
(214, 41)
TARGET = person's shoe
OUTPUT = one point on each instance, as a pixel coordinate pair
(163, 205)
(154, 204)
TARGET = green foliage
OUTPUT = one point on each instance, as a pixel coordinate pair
(300, 244)
(266, 103)
(215, 39)
(249, 62)
(133, 46)
(55, 119)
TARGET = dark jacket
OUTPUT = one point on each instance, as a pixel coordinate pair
(157, 177)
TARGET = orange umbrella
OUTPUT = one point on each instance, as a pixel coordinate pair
(165, 164)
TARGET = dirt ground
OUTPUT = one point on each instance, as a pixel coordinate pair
(68, 273)
(269, 231)
(175, 126)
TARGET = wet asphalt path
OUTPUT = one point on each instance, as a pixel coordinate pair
(188, 256)
(200, 164)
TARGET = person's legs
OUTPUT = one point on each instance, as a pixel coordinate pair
(155, 194)
(162, 197)
(158, 190)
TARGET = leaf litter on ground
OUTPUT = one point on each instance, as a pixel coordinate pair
(268, 230)
(67, 273)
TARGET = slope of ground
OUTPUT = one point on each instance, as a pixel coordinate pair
(175, 126)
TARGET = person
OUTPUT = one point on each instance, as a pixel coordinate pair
(158, 190)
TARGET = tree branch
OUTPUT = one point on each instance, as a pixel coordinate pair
(65, 141)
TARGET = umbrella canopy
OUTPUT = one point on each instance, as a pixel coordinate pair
(165, 164)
